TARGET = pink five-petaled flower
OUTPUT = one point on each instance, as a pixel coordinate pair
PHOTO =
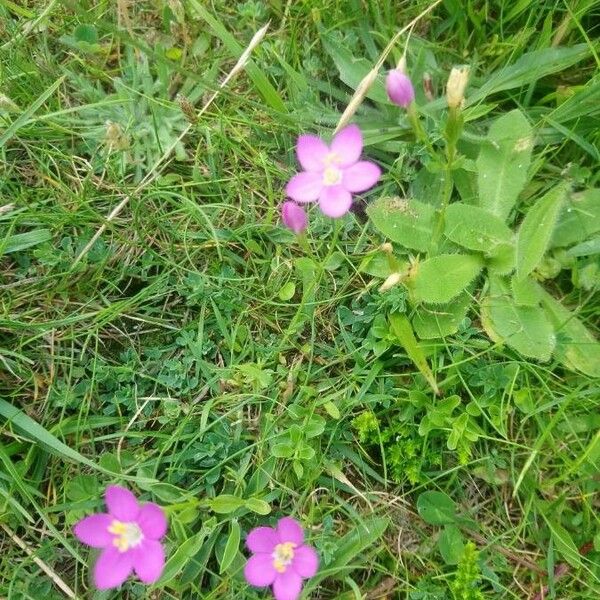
(280, 558)
(129, 535)
(294, 217)
(332, 173)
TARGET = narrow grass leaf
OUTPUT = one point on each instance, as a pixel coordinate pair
(402, 329)
(29, 111)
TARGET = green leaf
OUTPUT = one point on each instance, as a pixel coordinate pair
(26, 115)
(503, 261)
(503, 163)
(576, 347)
(451, 544)
(536, 229)
(436, 508)
(525, 291)
(41, 436)
(283, 450)
(260, 80)
(564, 543)
(405, 222)
(587, 248)
(287, 291)
(258, 506)
(353, 70)
(225, 504)
(475, 228)
(579, 219)
(529, 68)
(21, 241)
(86, 33)
(401, 328)
(231, 547)
(524, 328)
(362, 536)
(441, 321)
(439, 279)
(181, 556)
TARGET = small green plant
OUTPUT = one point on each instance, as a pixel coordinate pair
(466, 581)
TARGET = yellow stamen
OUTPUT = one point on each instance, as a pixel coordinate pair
(127, 535)
(332, 176)
(283, 556)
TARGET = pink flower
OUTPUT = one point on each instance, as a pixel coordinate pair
(128, 535)
(293, 216)
(399, 88)
(280, 558)
(332, 173)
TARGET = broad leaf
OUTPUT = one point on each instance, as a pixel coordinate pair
(436, 508)
(451, 544)
(407, 222)
(503, 162)
(402, 329)
(503, 261)
(576, 347)
(231, 547)
(439, 279)
(579, 219)
(525, 291)
(441, 321)
(524, 328)
(475, 228)
(536, 229)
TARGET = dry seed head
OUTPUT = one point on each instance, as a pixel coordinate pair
(391, 281)
(455, 88)
(359, 96)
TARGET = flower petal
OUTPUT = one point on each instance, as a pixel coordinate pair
(305, 186)
(262, 539)
(306, 561)
(149, 561)
(347, 145)
(311, 152)
(361, 176)
(289, 530)
(259, 570)
(335, 201)
(112, 568)
(93, 530)
(287, 586)
(152, 521)
(121, 503)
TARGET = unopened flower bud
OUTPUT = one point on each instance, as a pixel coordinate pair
(387, 248)
(390, 282)
(294, 217)
(455, 88)
(399, 88)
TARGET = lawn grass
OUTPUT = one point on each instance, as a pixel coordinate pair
(196, 349)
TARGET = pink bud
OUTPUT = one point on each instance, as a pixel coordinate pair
(293, 216)
(399, 88)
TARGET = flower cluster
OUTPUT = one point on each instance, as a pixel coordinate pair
(129, 536)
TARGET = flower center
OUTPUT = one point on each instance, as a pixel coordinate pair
(331, 159)
(332, 176)
(127, 535)
(283, 556)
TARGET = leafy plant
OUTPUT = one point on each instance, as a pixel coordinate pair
(463, 251)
